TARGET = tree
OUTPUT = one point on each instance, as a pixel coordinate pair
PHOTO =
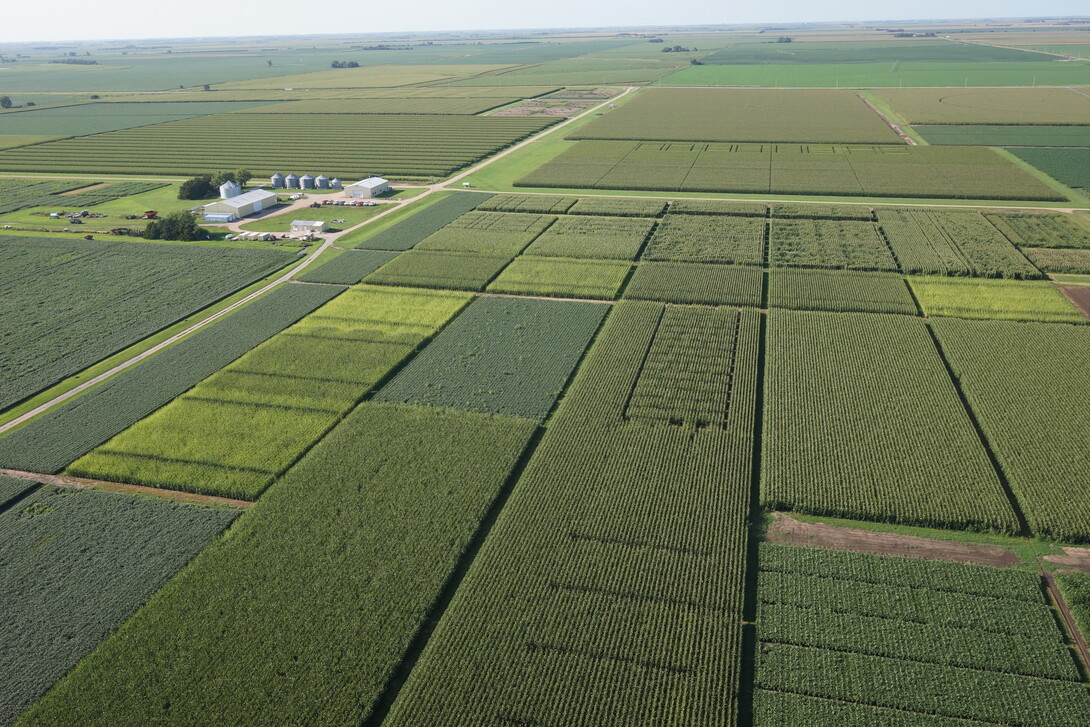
(269, 62)
(197, 188)
(207, 87)
(5, 102)
(180, 225)
(242, 176)
(31, 103)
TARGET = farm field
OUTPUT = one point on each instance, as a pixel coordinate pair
(870, 171)
(411, 146)
(741, 115)
(748, 391)
(61, 321)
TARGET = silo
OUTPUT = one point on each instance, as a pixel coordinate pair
(306, 181)
(277, 181)
(321, 181)
(291, 181)
(335, 183)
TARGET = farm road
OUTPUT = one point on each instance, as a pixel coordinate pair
(288, 275)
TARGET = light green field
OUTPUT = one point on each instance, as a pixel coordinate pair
(995, 299)
(10, 141)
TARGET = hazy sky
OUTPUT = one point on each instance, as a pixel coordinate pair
(119, 19)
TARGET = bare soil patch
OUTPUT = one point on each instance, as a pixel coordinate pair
(786, 529)
(1080, 296)
(545, 107)
(80, 483)
(591, 93)
(1073, 558)
(81, 190)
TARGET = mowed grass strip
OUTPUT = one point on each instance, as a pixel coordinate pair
(219, 440)
(372, 502)
(1015, 300)
(562, 277)
(696, 283)
(839, 291)
(836, 443)
(1027, 384)
(505, 356)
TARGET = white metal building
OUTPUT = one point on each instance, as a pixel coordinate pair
(309, 226)
(239, 206)
(367, 188)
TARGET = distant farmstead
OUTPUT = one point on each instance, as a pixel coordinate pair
(367, 188)
(239, 206)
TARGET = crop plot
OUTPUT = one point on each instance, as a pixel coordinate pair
(12, 488)
(502, 356)
(406, 106)
(788, 211)
(1059, 260)
(708, 239)
(562, 277)
(355, 519)
(25, 193)
(1025, 382)
(837, 443)
(696, 283)
(51, 442)
(612, 238)
(440, 269)
(1042, 230)
(348, 268)
(488, 233)
(716, 207)
(411, 230)
(532, 203)
(94, 118)
(1006, 135)
(839, 291)
(77, 563)
(847, 245)
(925, 656)
(988, 105)
(71, 303)
(231, 438)
(609, 592)
(1070, 166)
(681, 114)
(615, 207)
(952, 243)
(999, 299)
(401, 146)
(860, 170)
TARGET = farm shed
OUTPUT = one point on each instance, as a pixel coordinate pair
(309, 226)
(367, 188)
(240, 205)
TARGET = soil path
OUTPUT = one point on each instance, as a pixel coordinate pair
(1068, 619)
(786, 529)
(80, 483)
(1073, 558)
(889, 122)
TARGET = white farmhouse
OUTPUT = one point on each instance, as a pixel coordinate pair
(367, 188)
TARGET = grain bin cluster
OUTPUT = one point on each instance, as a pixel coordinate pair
(292, 181)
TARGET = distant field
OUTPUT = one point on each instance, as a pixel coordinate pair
(896, 171)
(410, 146)
(1070, 166)
(582, 72)
(892, 51)
(988, 106)
(880, 75)
(364, 77)
(387, 106)
(969, 135)
(94, 118)
(741, 115)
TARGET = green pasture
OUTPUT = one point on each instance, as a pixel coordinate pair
(281, 222)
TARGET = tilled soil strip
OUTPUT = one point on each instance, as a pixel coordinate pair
(1073, 558)
(81, 483)
(1069, 620)
(786, 529)
(1080, 296)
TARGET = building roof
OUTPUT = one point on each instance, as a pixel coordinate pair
(371, 182)
(307, 223)
(247, 198)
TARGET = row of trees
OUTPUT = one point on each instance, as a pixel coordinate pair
(180, 225)
(207, 185)
(344, 64)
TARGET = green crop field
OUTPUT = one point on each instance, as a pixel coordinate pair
(236, 447)
(1070, 166)
(988, 106)
(425, 105)
(706, 239)
(696, 283)
(1000, 299)
(741, 115)
(70, 303)
(440, 269)
(844, 244)
(488, 233)
(95, 118)
(401, 146)
(970, 135)
(836, 443)
(839, 291)
(562, 277)
(874, 171)
(890, 51)
(532, 203)
(813, 650)
(76, 565)
(502, 356)
(1058, 260)
(613, 238)
(1042, 230)
(1023, 399)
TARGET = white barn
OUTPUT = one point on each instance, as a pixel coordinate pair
(233, 208)
(309, 226)
(367, 188)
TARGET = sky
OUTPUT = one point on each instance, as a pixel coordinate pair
(131, 19)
